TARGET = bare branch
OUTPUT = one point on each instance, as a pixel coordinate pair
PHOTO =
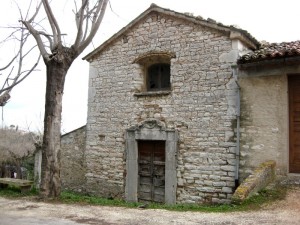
(9, 64)
(53, 23)
(86, 29)
(15, 77)
(6, 80)
(95, 25)
(4, 97)
(48, 37)
(79, 16)
(11, 36)
(38, 39)
(35, 14)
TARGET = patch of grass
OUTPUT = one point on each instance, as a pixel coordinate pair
(15, 192)
(254, 203)
(71, 197)
(265, 196)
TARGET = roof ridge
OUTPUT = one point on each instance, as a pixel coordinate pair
(245, 35)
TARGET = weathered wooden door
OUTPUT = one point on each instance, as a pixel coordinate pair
(294, 126)
(151, 161)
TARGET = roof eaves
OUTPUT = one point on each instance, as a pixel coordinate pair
(72, 131)
(279, 61)
(252, 43)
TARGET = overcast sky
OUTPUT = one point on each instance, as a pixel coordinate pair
(272, 21)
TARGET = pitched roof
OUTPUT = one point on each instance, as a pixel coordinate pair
(234, 32)
(272, 51)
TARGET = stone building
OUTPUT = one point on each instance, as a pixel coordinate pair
(162, 110)
(269, 80)
(182, 109)
(73, 160)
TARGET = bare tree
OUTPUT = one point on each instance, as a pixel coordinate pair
(14, 71)
(58, 58)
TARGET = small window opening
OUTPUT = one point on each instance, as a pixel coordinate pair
(158, 77)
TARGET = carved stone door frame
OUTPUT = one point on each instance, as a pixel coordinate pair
(151, 130)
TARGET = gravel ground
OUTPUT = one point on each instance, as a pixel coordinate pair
(26, 212)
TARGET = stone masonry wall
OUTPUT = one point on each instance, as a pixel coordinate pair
(201, 107)
(264, 123)
(72, 160)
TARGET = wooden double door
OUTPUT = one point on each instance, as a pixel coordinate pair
(151, 163)
(294, 124)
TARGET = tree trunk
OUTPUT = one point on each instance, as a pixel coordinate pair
(57, 69)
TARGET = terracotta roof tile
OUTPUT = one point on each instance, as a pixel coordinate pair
(272, 51)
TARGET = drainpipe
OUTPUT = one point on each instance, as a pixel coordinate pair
(238, 110)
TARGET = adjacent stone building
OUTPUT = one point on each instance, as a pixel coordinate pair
(182, 109)
(72, 160)
(162, 110)
(269, 80)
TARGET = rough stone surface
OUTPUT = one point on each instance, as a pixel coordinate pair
(72, 160)
(261, 177)
(201, 106)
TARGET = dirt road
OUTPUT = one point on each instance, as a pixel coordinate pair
(25, 212)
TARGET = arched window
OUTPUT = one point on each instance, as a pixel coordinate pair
(156, 70)
(158, 77)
